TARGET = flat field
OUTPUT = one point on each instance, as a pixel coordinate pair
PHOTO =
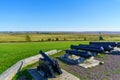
(22, 37)
(10, 53)
(31, 43)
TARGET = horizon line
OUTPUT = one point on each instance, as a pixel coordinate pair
(55, 31)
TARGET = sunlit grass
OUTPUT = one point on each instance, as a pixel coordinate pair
(10, 53)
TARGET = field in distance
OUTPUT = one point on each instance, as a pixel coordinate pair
(40, 37)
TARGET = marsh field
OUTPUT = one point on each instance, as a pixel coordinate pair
(17, 46)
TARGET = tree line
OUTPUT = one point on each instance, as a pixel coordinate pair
(28, 39)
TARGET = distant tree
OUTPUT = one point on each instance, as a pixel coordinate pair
(49, 39)
(57, 39)
(28, 38)
(85, 39)
(100, 38)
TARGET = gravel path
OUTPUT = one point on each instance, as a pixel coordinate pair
(109, 71)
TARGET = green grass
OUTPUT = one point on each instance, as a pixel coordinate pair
(10, 53)
(25, 73)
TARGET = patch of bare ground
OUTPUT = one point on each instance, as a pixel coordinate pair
(109, 71)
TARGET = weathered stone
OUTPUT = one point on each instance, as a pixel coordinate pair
(64, 76)
(89, 63)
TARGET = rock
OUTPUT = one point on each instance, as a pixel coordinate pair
(89, 63)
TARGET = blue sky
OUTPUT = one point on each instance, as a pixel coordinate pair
(59, 15)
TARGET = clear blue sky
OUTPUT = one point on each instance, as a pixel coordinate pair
(59, 15)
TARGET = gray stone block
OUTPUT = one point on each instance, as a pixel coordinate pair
(64, 76)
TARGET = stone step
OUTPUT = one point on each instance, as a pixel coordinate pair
(64, 76)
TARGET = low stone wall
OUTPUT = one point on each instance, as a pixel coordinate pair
(9, 73)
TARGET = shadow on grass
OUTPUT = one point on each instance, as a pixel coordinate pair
(23, 75)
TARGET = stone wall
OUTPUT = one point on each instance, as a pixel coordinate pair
(9, 73)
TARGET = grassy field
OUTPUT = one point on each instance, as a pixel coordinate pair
(10, 53)
(20, 37)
